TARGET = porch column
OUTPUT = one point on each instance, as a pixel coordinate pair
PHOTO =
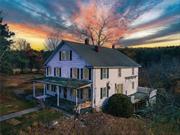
(44, 91)
(76, 97)
(34, 90)
(92, 96)
(57, 91)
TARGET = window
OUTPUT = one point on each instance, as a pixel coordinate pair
(119, 72)
(132, 71)
(48, 87)
(57, 71)
(104, 73)
(59, 89)
(65, 55)
(104, 92)
(48, 71)
(53, 88)
(119, 88)
(74, 73)
(86, 73)
(86, 93)
(132, 85)
(71, 92)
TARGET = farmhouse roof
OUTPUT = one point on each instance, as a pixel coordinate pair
(104, 57)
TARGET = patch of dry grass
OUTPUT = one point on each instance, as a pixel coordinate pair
(96, 124)
(9, 84)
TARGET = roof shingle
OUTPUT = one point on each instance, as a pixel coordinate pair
(106, 57)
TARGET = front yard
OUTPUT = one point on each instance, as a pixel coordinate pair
(13, 90)
(26, 123)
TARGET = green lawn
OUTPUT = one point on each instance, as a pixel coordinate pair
(24, 123)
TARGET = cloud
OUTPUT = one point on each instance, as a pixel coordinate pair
(147, 19)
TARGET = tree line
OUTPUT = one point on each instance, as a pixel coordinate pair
(160, 66)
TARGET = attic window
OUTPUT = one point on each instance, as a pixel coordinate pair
(65, 55)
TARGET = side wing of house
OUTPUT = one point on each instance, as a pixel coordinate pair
(120, 80)
(66, 63)
(65, 59)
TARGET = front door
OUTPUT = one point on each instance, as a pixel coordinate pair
(65, 92)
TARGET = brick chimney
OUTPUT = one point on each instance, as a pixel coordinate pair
(97, 48)
(113, 46)
(86, 41)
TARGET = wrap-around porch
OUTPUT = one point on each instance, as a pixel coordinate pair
(77, 92)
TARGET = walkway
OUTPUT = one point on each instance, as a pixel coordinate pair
(17, 114)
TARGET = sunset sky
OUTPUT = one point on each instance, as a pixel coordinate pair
(152, 23)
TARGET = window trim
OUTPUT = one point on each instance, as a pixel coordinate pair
(48, 71)
(105, 92)
(104, 75)
(56, 71)
(77, 73)
(67, 55)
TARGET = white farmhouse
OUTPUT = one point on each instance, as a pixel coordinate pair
(87, 75)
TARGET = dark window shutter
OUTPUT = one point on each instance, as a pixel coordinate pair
(107, 72)
(60, 55)
(89, 74)
(70, 72)
(54, 71)
(101, 74)
(70, 55)
(59, 72)
(78, 73)
(81, 73)
(101, 93)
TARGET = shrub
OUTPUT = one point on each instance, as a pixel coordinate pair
(119, 105)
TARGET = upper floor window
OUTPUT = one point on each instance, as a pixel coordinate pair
(48, 71)
(65, 55)
(74, 73)
(57, 71)
(86, 73)
(104, 73)
(132, 71)
(119, 72)
(104, 92)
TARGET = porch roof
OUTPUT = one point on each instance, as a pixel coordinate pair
(64, 82)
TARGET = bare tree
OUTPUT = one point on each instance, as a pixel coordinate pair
(52, 41)
(22, 45)
(99, 23)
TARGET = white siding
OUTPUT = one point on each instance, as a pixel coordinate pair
(114, 78)
(65, 66)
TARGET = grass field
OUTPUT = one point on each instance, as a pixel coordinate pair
(10, 86)
(25, 123)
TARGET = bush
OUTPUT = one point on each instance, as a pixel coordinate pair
(119, 105)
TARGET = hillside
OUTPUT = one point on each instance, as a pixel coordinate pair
(95, 124)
